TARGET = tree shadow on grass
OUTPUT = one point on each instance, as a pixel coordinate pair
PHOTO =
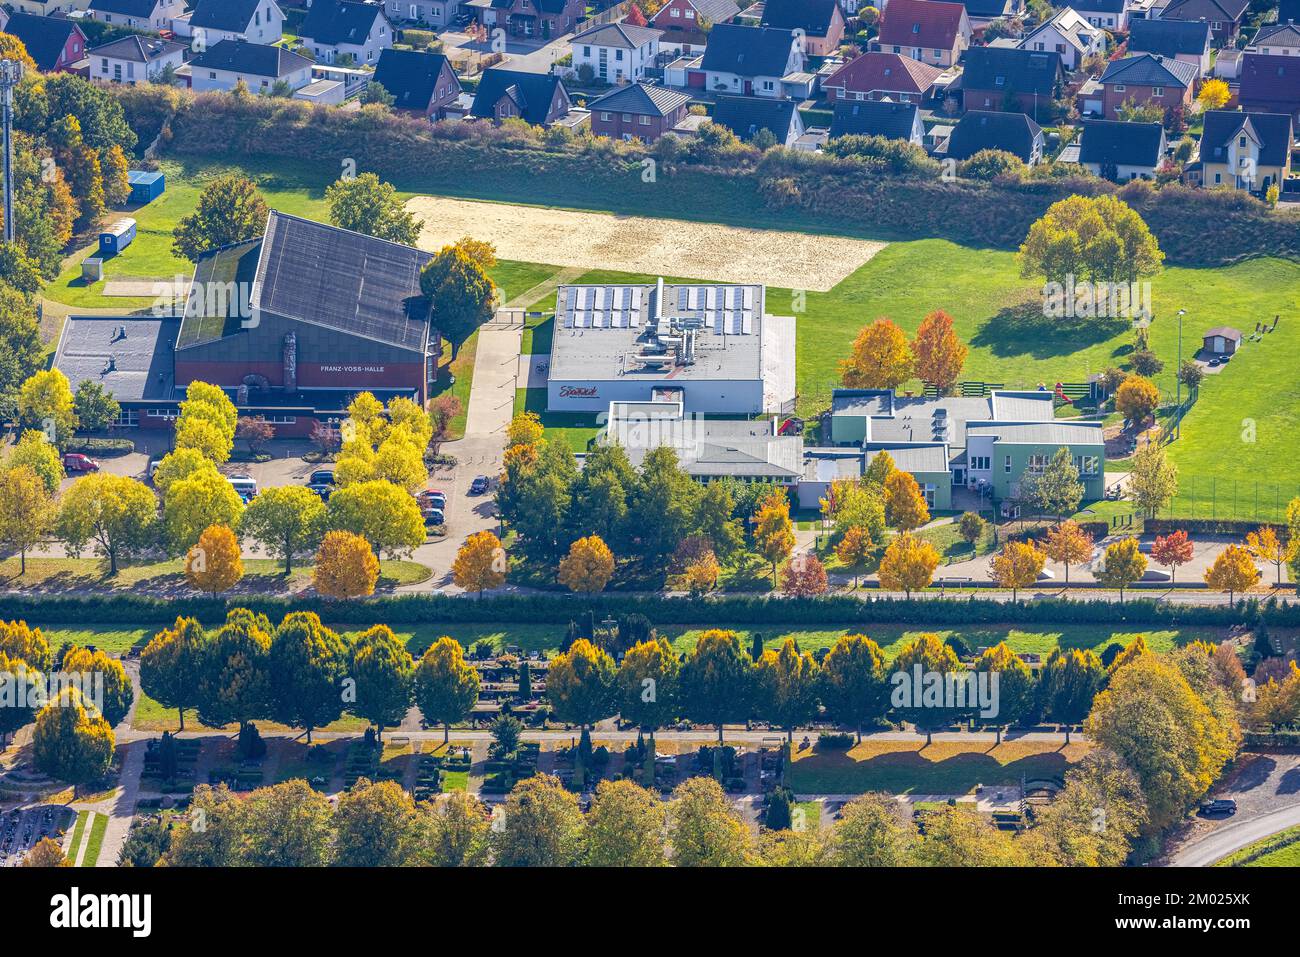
(902, 772)
(1022, 330)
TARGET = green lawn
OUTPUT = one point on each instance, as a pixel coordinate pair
(944, 767)
(78, 832)
(577, 429)
(95, 840)
(533, 637)
(1276, 850)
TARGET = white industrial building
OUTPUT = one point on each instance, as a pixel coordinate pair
(710, 347)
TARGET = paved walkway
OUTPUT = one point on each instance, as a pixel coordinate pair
(1233, 837)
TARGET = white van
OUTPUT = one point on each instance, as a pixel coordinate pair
(245, 485)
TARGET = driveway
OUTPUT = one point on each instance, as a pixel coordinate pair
(1266, 788)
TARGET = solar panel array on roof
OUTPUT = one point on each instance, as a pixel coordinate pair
(603, 307)
(725, 310)
(342, 280)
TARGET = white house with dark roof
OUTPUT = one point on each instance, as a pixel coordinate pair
(685, 23)
(747, 116)
(895, 121)
(1248, 151)
(151, 15)
(1069, 34)
(222, 65)
(754, 61)
(428, 13)
(616, 52)
(1277, 39)
(211, 21)
(335, 29)
(1120, 151)
(1186, 40)
(134, 59)
(48, 8)
(1110, 15)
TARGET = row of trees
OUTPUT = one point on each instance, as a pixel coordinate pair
(882, 358)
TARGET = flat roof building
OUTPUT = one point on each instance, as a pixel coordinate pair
(711, 347)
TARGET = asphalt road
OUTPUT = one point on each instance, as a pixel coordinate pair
(1229, 838)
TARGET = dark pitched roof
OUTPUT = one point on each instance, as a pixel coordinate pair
(410, 76)
(988, 130)
(1273, 130)
(233, 16)
(641, 99)
(747, 51)
(1008, 68)
(624, 35)
(1146, 69)
(813, 17)
(342, 280)
(258, 59)
(874, 118)
(1168, 37)
(339, 21)
(137, 48)
(746, 115)
(127, 8)
(714, 11)
(533, 93)
(1229, 10)
(1123, 144)
(986, 9)
(546, 6)
(921, 23)
(1101, 6)
(1284, 34)
(1270, 78)
(44, 37)
(884, 71)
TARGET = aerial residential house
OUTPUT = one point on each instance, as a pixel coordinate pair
(53, 43)
(895, 121)
(49, 8)
(929, 31)
(1110, 15)
(1012, 80)
(1013, 133)
(222, 65)
(337, 30)
(638, 111)
(537, 98)
(1270, 84)
(747, 115)
(1068, 34)
(543, 19)
(134, 59)
(1186, 40)
(685, 22)
(419, 82)
(1277, 39)
(755, 61)
(616, 52)
(151, 15)
(883, 76)
(964, 447)
(1250, 151)
(427, 13)
(1147, 79)
(1122, 151)
(983, 12)
(211, 21)
(822, 22)
(1223, 16)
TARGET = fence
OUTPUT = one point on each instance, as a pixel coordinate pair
(1240, 499)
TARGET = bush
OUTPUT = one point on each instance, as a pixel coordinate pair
(834, 741)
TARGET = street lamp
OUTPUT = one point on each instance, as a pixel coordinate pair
(1178, 375)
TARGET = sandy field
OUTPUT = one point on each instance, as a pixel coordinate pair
(637, 244)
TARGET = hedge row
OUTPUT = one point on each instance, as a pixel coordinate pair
(1210, 526)
(1285, 738)
(558, 610)
(504, 164)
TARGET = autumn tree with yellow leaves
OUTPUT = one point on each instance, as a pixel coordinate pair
(1068, 544)
(1017, 566)
(588, 567)
(346, 567)
(1233, 571)
(1267, 546)
(480, 564)
(881, 358)
(908, 564)
(214, 563)
(773, 530)
(905, 506)
(854, 550)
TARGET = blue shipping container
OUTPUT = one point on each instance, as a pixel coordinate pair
(146, 185)
(117, 237)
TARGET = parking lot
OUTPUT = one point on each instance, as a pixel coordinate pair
(23, 828)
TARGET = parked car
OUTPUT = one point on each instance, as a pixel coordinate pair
(432, 498)
(76, 462)
(245, 485)
(1221, 807)
(480, 485)
(322, 483)
(434, 517)
(153, 467)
